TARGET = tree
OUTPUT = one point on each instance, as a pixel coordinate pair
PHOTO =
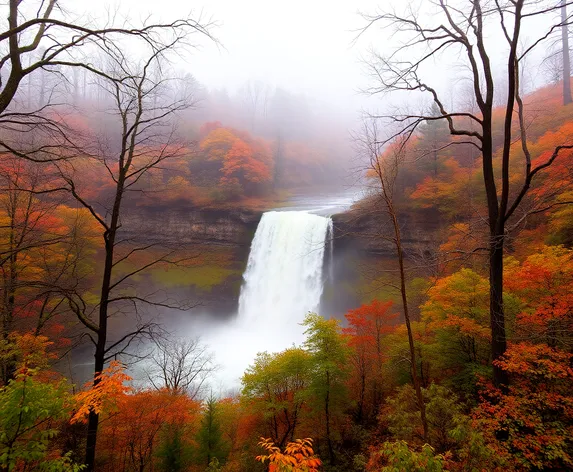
(41, 38)
(398, 456)
(434, 139)
(210, 437)
(245, 163)
(536, 414)
(462, 29)
(543, 283)
(275, 385)
(173, 453)
(384, 167)
(180, 366)
(444, 191)
(367, 326)
(45, 251)
(458, 304)
(401, 415)
(135, 432)
(327, 389)
(145, 140)
(31, 408)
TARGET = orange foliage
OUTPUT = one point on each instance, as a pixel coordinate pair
(367, 326)
(467, 327)
(298, 456)
(544, 283)
(103, 393)
(43, 243)
(445, 191)
(245, 162)
(130, 435)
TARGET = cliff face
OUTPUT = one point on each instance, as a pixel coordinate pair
(187, 226)
(368, 230)
(360, 241)
(365, 255)
(222, 240)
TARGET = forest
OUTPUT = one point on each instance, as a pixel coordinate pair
(453, 351)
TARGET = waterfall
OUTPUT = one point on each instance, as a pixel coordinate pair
(283, 280)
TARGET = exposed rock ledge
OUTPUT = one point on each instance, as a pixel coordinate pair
(368, 231)
(191, 226)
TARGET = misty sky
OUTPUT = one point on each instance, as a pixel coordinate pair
(305, 46)
(302, 45)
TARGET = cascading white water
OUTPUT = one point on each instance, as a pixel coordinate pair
(283, 279)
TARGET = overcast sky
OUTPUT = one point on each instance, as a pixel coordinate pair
(302, 45)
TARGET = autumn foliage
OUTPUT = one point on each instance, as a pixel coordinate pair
(346, 388)
(298, 456)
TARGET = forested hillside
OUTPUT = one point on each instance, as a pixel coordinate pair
(457, 351)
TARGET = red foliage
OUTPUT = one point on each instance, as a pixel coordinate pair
(366, 329)
(544, 283)
(534, 418)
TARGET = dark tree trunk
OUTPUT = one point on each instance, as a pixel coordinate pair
(100, 353)
(497, 318)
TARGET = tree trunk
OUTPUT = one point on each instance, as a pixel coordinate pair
(93, 417)
(100, 353)
(327, 415)
(497, 318)
(565, 51)
(360, 413)
(414, 370)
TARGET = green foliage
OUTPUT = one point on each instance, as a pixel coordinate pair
(173, 453)
(395, 369)
(275, 385)
(329, 353)
(472, 452)
(274, 373)
(327, 392)
(403, 417)
(214, 466)
(399, 457)
(210, 443)
(29, 412)
(457, 316)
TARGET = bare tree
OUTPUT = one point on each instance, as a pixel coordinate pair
(145, 140)
(256, 94)
(180, 366)
(42, 39)
(461, 28)
(386, 166)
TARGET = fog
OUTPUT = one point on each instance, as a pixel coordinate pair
(305, 47)
(318, 49)
(290, 80)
